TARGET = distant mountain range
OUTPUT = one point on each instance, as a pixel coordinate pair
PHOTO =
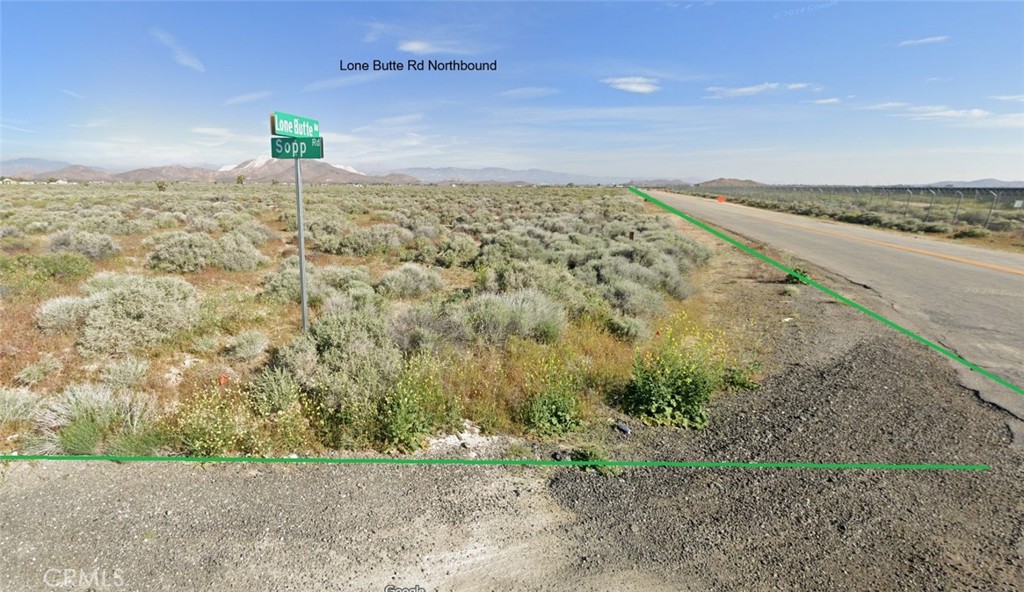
(980, 184)
(265, 169)
(259, 170)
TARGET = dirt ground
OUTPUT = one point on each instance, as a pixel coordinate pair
(838, 387)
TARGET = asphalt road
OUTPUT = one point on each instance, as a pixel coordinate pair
(968, 299)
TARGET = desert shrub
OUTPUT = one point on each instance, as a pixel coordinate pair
(342, 278)
(247, 346)
(106, 281)
(935, 227)
(633, 299)
(86, 416)
(416, 406)
(273, 390)
(38, 371)
(64, 313)
(456, 250)
(409, 280)
(257, 232)
(346, 363)
(523, 313)
(231, 221)
(10, 232)
(429, 326)
(629, 329)
(579, 299)
(125, 375)
(673, 381)
(183, 252)
(380, 239)
(17, 405)
(92, 245)
(140, 314)
(202, 224)
(283, 285)
(971, 233)
(236, 253)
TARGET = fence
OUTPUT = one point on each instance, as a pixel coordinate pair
(924, 209)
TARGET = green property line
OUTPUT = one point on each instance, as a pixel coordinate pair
(942, 350)
(542, 463)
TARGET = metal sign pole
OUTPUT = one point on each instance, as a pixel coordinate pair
(302, 245)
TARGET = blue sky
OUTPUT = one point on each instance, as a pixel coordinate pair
(808, 92)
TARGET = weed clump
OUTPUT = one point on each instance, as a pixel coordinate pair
(38, 371)
(125, 375)
(416, 407)
(17, 406)
(87, 419)
(673, 381)
(247, 346)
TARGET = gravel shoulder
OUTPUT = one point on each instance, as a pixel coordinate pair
(838, 387)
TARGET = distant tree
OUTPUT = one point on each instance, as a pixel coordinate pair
(161, 185)
(274, 182)
(240, 180)
(51, 180)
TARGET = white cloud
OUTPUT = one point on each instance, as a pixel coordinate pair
(722, 92)
(95, 123)
(342, 81)
(528, 92)
(400, 119)
(924, 41)
(376, 30)
(1004, 121)
(428, 47)
(219, 136)
(247, 98)
(889, 105)
(974, 118)
(1018, 98)
(940, 112)
(72, 93)
(16, 129)
(179, 53)
(633, 84)
(829, 101)
(742, 91)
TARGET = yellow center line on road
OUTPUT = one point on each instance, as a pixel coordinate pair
(992, 266)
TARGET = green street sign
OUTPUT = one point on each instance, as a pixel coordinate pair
(297, 147)
(293, 126)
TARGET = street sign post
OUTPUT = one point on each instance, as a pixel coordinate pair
(302, 141)
(297, 147)
(293, 126)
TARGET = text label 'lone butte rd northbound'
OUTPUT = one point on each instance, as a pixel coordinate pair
(418, 66)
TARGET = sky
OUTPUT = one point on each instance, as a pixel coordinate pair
(794, 92)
